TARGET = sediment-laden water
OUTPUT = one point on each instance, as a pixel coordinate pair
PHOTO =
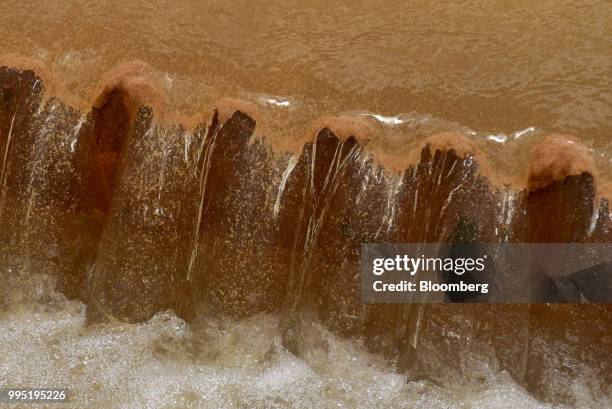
(184, 190)
(510, 71)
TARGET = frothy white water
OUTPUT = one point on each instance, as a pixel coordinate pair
(214, 363)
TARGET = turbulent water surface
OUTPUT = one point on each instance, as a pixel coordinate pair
(221, 363)
(133, 215)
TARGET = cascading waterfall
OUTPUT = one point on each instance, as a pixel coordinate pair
(134, 216)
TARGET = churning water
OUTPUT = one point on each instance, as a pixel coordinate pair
(502, 74)
(223, 363)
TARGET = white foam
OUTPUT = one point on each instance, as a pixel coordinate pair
(214, 363)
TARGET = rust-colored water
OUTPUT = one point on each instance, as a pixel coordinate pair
(505, 73)
(509, 70)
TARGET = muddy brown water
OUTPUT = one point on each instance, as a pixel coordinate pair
(128, 206)
(508, 70)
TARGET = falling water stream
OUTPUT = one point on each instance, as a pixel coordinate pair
(164, 246)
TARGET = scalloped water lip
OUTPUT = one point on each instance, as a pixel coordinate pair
(142, 86)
